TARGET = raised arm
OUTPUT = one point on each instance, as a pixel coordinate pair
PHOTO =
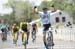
(35, 10)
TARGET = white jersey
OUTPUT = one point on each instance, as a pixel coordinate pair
(45, 17)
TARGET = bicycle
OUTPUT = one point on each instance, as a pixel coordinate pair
(24, 39)
(49, 39)
(15, 38)
(33, 35)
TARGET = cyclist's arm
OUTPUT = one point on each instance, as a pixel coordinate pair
(36, 11)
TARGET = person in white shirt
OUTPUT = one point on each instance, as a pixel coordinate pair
(45, 18)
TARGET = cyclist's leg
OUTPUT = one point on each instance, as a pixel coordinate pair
(13, 34)
(22, 36)
(28, 33)
(46, 27)
(44, 38)
(44, 35)
(32, 34)
(13, 37)
(3, 34)
(35, 33)
(17, 35)
(33, 29)
(16, 38)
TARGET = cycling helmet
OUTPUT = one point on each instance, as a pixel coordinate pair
(44, 8)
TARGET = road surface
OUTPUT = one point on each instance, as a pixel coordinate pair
(38, 44)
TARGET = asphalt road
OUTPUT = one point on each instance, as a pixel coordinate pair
(38, 44)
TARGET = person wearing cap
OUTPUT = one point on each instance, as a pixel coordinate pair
(45, 18)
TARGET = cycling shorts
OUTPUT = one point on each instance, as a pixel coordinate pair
(46, 27)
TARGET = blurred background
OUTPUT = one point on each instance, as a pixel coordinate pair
(19, 10)
(14, 10)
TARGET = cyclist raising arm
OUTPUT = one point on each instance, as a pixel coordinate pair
(45, 17)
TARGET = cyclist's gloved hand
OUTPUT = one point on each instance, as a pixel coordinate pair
(35, 8)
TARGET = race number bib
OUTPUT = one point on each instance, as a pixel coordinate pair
(45, 18)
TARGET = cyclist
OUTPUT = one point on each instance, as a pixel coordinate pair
(24, 27)
(45, 16)
(15, 30)
(34, 30)
(4, 31)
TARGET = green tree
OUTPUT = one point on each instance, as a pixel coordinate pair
(66, 6)
(25, 7)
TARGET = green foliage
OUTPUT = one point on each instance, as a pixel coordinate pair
(10, 3)
(27, 8)
(65, 6)
(44, 4)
